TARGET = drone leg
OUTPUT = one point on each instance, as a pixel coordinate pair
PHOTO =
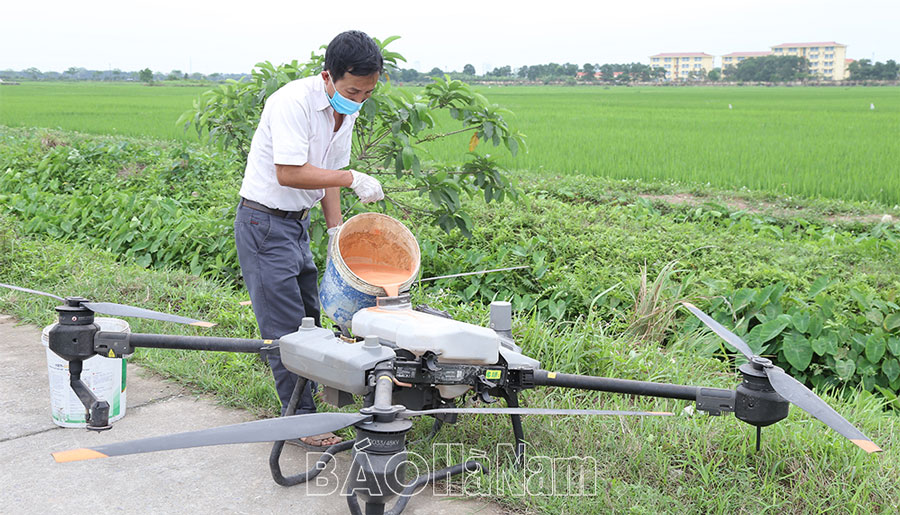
(512, 401)
(278, 447)
(410, 490)
(758, 436)
(96, 411)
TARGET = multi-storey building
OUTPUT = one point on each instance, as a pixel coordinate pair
(680, 65)
(734, 58)
(826, 59)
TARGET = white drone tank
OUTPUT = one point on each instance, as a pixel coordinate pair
(453, 341)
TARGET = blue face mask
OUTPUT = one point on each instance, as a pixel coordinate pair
(341, 103)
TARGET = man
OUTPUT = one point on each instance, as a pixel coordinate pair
(296, 158)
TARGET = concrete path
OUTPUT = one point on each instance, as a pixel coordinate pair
(224, 479)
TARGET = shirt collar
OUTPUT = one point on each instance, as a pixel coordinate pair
(321, 96)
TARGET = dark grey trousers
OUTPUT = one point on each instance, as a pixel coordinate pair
(280, 275)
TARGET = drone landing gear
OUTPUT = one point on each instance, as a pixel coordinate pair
(278, 447)
(512, 401)
(96, 411)
(378, 508)
(379, 460)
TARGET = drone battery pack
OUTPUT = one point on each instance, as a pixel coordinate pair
(316, 354)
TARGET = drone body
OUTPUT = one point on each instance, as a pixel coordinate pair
(412, 362)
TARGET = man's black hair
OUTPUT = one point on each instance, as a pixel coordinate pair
(355, 52)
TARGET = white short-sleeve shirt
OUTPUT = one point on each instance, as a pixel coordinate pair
(296, 127)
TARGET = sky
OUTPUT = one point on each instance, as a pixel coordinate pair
(232, 36)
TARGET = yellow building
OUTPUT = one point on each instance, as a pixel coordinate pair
(683, 65)
(734, 58)
(826, 59)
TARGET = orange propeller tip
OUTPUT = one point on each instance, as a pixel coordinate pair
(245, 302)
(201, 323)
(662, 413)
(77, 455)
(866, 445)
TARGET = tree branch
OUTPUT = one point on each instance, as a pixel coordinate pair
(432, 137)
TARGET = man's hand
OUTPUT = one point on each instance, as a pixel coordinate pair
(331, 232)
(366, 187)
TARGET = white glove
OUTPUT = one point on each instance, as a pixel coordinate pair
(331, 232)
(366, 187)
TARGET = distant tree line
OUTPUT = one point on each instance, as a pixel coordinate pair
(550, 72)
(755, 69)
(865, 70)
(769, 68)
(788, 68)
(84, 74)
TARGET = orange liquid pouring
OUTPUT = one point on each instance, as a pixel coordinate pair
(388, 277)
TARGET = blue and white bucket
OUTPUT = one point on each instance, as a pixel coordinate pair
(380, 240)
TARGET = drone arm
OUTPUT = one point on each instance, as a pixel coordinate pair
(713, 400)
(113, 344)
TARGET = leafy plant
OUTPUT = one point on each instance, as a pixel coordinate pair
(391, 135)
(816, 339)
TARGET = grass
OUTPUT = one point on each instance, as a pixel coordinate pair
(808, 142)
(129, 109)
(813, 142)
(693, 464)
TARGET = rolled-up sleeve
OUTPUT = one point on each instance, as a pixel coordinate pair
(289, 125)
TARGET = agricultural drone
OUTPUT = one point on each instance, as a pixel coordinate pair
(410, 363)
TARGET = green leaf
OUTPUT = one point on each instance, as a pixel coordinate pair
(892, 322)
(891, 369)
(845, 368)
(875, 316)
(890, 396)
(894, 345)
(875, 346)
(861, 299)
(816, 324)
(772, 328)
(825, 344)
(742, 298)
(819, 285)
(797, 351)
(801, 321)
(762, 296)
(469, 292)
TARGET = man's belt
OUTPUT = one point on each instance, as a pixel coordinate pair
(291, 215)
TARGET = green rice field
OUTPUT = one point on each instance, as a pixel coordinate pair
(813, 142)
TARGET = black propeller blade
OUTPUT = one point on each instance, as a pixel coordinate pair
(789, 388)
(120, 310)
(26, 290)
(269, 430)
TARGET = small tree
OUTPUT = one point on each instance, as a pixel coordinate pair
(588, 71)
(146, 75)
(468, 69)
(714, 74)
(393, 130)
